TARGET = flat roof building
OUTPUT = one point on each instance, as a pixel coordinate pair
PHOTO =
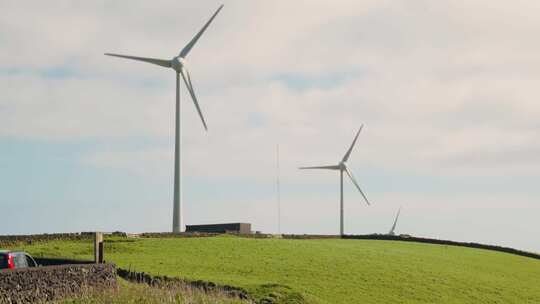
(241, 228)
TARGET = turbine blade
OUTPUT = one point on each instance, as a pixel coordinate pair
(351, 176)
(321, 167)
(160, 62)
(346, 157)
(395, 221)
(185, 51)
(187, 80)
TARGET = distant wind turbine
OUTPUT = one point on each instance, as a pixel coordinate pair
(178, 64)
(395, 223)
(342, 166)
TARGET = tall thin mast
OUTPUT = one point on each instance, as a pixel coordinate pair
(177, 190)
(278, 188)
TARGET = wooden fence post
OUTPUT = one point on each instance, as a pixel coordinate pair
(98, 248)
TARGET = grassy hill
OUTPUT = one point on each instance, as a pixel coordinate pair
(327, 271)
(144, 294)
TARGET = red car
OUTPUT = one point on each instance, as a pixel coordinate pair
(16, 259)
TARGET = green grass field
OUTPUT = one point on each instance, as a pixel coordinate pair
(327, 271)
(144, 294)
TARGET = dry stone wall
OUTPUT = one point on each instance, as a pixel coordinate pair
(30, 238)
(165, 281)
(443, 242)
(41, 284)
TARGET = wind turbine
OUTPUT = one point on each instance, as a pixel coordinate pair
(178, 64)
(342, 166)
(395, 222)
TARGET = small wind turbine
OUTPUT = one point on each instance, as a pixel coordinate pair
(342, 166)
(395, 222)
(178, 64)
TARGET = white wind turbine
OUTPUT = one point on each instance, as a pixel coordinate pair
(395, 223)
(178, 64)
(342, 166)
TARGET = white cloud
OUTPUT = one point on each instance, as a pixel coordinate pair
(444, 88)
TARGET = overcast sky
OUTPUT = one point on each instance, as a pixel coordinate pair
(447, 90)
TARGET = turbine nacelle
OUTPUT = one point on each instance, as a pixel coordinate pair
(178, 63)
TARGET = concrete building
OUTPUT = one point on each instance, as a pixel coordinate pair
(241, 228)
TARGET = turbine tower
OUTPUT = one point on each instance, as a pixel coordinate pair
(395, 222)
(178, 64)
(342, 166)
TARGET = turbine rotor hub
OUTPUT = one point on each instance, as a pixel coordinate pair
(177, 63)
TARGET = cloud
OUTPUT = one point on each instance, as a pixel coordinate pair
(442, 105)
(444, 88)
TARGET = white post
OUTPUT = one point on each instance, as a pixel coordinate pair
(177, 200)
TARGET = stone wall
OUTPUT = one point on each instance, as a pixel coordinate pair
(59, 261)
(404, 238)
(165, 281)
(14, 239)
(30, 238)
(176, 235)
(443, 242)
(40, 284)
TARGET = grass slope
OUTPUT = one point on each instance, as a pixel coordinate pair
(327, 271)
(144, 294)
